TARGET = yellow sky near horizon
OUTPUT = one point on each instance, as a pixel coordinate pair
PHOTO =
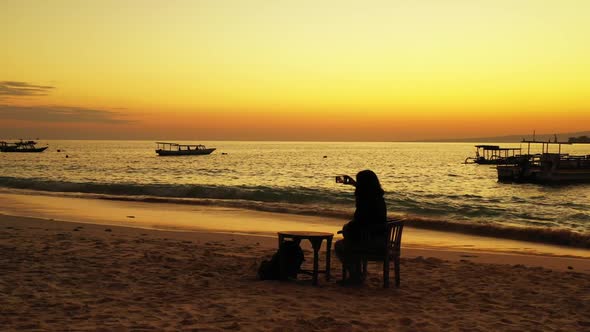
(376, 69)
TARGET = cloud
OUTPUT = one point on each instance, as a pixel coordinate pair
(63, 114)
(12, 88)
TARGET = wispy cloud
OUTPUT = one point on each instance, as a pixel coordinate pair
(62, 114)
(13, 88)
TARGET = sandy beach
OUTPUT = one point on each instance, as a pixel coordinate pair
(94, 275)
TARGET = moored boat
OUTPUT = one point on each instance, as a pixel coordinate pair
(21, 146)
(493, 155)
(175, 149)
(546, 167)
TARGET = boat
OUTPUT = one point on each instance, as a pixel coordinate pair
(21, 146)
(493, 155)
(175, 149)
(546, 167)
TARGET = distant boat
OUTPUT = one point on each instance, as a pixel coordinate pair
(546, 167)
(21, 146)
(175, 149)
(493, 155)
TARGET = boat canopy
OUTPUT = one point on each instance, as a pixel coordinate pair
(176, 146)
(545, 145)
(496, 148)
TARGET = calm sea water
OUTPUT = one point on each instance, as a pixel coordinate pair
(427, 180)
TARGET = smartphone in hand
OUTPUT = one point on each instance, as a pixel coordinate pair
(344, 179)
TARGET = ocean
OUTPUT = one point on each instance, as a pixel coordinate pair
(428, 183)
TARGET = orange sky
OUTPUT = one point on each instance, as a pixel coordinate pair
(293, 70)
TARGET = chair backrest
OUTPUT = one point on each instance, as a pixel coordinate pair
(393, 239)
(394, 236)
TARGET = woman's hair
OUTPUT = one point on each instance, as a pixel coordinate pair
(367, 185)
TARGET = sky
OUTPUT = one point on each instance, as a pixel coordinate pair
(328, 70)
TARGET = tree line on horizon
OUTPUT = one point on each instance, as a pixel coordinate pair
(579, 139)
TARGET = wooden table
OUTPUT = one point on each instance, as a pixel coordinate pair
(316, 239)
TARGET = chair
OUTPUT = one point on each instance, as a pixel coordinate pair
(390, 251)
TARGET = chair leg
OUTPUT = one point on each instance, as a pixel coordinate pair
(397, 272)
(364, 269)
(343, 271)
(386, 272)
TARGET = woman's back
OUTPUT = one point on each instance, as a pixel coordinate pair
(370, 211)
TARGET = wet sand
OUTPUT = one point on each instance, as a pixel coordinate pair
(182, 217)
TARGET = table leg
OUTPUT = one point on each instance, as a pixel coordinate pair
(316, 244)
(328, 255)
(282, 266)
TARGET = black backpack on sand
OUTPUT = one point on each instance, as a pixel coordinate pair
(292, 256)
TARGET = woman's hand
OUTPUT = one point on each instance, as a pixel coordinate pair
(345, 179)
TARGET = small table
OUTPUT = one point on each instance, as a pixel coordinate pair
(316, 239)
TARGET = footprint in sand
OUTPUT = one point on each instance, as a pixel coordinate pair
(405, 321)
(234, 326)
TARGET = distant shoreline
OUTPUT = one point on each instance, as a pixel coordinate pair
(513, 138)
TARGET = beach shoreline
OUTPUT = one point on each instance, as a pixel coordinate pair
(211, 218)
(546, 235)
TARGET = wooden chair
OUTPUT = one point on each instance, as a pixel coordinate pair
(391, 251)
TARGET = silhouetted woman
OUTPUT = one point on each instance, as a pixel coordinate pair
(370, 214)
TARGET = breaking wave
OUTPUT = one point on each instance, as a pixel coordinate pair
(469, 214)
(297, 195)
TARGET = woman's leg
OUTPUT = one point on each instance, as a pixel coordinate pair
(339, 250)
(349, 261)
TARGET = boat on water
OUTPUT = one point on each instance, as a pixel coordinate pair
(175, 149)
(493, 155)
(546, 167)
(21, 146)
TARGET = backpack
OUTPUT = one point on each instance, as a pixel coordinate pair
(290, 254)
